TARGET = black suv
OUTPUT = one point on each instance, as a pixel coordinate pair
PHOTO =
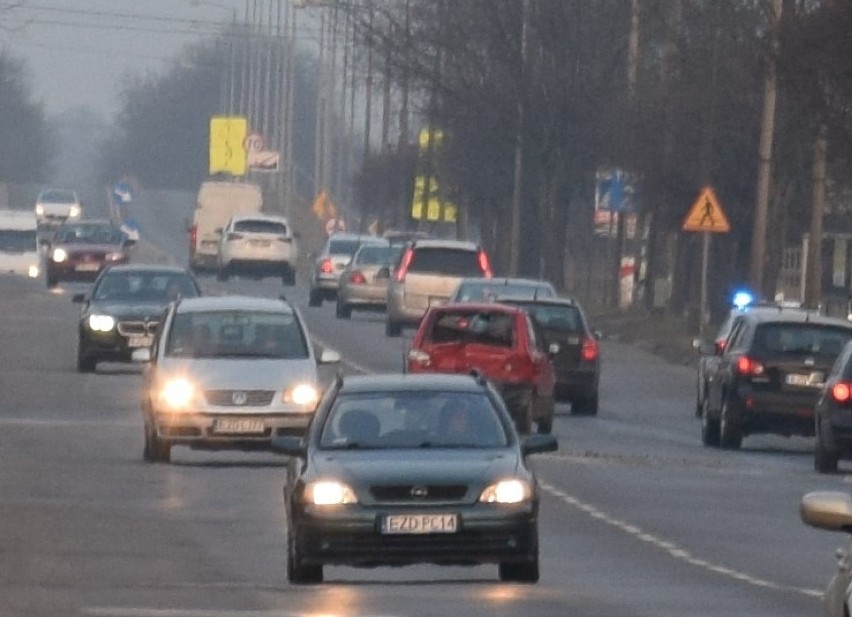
(574, 349)
(769, 375)
(833, 415)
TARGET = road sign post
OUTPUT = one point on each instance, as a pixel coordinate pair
(706, 216)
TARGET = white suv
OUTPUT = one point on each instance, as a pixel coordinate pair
(54, 206)
(258, 244)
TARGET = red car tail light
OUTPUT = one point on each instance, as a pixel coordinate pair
(325, 266)
(404, 265)
(749, 367)
(842, 392)
(720, 346)
(232, 236)
(484, 264)
(356, 278)
(589, 349)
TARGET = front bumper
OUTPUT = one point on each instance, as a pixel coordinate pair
(351, 535)
(108, 346)
(199, 429)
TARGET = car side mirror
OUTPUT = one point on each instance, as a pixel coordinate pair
(539, 443)
(78, 298)
(289, 445)
(597, 334)
(383, 272)
(141, 355)
(130, 242)
(329, 356)
(554, 348)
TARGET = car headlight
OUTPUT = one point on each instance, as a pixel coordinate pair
(303, 394)
(59, 255)
(507, 491)
(101, 323)
(39, 210)
(329, 493)
(177, 393)
(74, 212)
(33, 271)
(113, 256)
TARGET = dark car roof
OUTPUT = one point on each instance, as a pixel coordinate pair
(547, 301)
(412, 382)
(796, 316)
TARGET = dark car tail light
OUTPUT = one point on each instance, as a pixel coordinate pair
(749, 366)
(484, 264)
(356, 278)
(232, 236)
(404, 265)
(326, 266)
(589, 349)
(842, 392)
(720, 346)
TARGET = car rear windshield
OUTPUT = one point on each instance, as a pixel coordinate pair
(480, 328)
(473, 291)
(89, 234)
(413, 419)
(448, 261)
(800, 338)
(236, 334)
(261, 227)
(377, 255)
(18, 240)
(344, 247)
(556, 318)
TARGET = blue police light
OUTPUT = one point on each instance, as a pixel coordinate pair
(742, 299)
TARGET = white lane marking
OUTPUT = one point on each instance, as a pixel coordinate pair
(671, 548)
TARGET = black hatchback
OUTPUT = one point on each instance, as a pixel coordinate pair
(769, 376)
(574, 349)
(833, 415)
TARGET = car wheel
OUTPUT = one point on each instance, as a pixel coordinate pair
(544, 424)
(289, 276)
(730, 435)
(520, 571)
(524, 418)
(85, 363)
(586, 406)
(709, 427)
(156, 450)
(222, 274)
(392, 328)
(299, 572)
(699, 401)
(315, 297)
(342, 311)
(825, 456)
(52, 280)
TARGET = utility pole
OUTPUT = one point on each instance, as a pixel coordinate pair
(368, 83)
(813, 280)
(767, 134)
(320, 110)
(290, 181)
(517, 189)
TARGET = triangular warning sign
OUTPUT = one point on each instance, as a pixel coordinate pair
(706, 214)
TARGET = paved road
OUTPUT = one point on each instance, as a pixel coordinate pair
(637, 519)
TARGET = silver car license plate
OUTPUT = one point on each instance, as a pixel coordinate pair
(420, 523)
(140, 341)
(239, 426)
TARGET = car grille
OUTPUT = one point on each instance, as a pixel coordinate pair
(88, 256)
(417, 493)
(137, 328)
(239, 398)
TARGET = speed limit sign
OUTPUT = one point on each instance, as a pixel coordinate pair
(253, 142)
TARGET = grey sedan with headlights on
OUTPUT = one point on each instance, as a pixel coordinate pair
(228, 373)
(404, 469)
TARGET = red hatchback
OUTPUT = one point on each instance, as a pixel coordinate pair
(499, 341)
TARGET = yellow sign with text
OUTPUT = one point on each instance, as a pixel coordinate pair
(227, 150)
(706, 214)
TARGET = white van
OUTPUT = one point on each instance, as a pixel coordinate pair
(19, 253)
(216, 204)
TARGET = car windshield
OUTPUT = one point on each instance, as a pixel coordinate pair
(261, 227)
(18, 240)
(237, 334)
(487, 289)
(377, 255)
(800, 338)
(57, 197)
(495, 329)
(447, 261)
(413, 419)
(143, 287)
(89, 234)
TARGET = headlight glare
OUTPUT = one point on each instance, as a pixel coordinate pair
(304, 395)
(507, 491)
(329, 493)
(59, 255)
(177, 393)
(101, 323)
(113, 256)
(33, 271)
(39, 210)
(74, 212)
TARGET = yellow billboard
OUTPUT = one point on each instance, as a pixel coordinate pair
(227, 145)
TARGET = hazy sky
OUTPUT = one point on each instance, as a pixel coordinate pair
(77, 51)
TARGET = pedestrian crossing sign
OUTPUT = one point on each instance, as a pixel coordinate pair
(706, 214)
